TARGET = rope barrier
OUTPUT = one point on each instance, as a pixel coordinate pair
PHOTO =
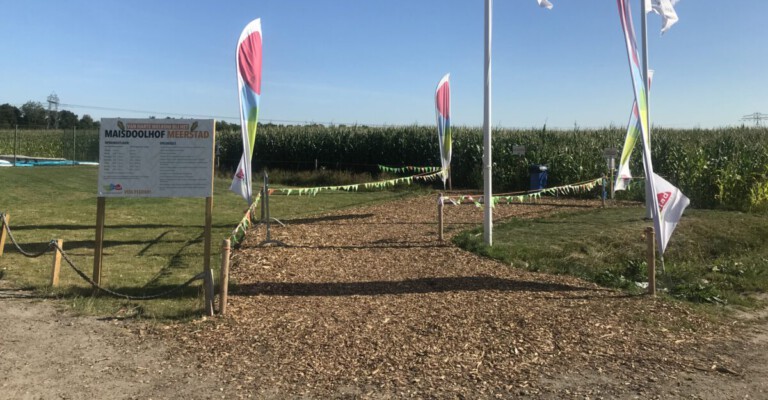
(18, 247)
(122, 295)
(53, 245)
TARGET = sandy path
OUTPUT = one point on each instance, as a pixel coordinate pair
(48, 354)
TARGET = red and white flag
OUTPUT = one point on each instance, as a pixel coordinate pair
(672, 203)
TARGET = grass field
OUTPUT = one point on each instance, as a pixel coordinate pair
(150, 245)
(155, 244)
(713, 256)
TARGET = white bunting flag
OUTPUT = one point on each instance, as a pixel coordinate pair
(666, 9)
(545, 3)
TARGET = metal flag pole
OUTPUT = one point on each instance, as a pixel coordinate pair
(646, 84)
(487, 165)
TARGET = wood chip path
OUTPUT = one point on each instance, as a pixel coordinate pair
(367, 303)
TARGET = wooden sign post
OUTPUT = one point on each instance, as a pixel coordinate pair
(130, 151)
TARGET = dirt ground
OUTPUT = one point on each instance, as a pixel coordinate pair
(367, 303)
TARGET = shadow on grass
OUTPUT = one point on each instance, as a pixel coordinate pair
(89, 244)
(408, 286)
(72, 292)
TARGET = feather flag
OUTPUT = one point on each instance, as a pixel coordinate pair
(624, 175)
(443, 114)
(545, 3)
(248, 59)
(659, 198)
(641, 100)
(666, 9)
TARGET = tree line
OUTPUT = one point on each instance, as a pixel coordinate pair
(32, 114)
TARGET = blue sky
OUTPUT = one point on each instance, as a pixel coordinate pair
(366, 62)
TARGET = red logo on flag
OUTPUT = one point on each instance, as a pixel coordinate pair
(663, 199)
(240, 174)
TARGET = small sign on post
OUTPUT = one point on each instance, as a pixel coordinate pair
(518, 150)
(610, 155)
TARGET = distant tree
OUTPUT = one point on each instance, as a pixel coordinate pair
(224, 126)
(33, 115)
(67, 119)
(86, 122)
(9, 116)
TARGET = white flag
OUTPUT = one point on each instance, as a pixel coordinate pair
(666, 9)
(545, 3)
(672, 203)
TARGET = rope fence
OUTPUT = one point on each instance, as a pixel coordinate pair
(53, 245)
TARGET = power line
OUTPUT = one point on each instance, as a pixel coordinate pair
(217, 117)
(756, 117)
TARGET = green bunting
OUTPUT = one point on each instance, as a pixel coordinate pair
(408, 169)
(566, 189)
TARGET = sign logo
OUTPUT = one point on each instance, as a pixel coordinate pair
(663, 199)
(113, 187)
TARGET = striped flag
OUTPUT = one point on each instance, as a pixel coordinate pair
(624, 175)
(443, 114)
(248, 59)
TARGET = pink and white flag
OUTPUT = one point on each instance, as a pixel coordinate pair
(248, 59)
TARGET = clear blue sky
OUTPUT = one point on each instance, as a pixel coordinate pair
(360, 61)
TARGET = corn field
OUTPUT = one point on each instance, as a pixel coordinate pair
(718, 168)
(70, 144)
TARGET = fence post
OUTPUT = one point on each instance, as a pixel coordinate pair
(15, 140)
(56, 268)
(650, 238)
(224, 277)
(3, 233)
(604, 193)
(74, 145)
(440, 216)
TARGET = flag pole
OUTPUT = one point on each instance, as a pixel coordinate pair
(487, 165)
(646, 84)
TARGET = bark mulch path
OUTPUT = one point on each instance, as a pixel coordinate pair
(367, 303)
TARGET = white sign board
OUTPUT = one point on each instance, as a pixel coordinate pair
(156, 158)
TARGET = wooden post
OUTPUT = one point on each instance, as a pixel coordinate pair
(98, 250)
(3, 232)
(604, 194)
(207, 256)
(56, 268)
(440, 216)
(650, 239)
(224, 277)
